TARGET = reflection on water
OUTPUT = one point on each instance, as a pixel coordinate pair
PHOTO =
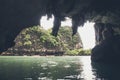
(55, 68)
(87, 73)
(106, 71)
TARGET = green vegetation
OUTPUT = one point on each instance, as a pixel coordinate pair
(78, 52)
(38, 40)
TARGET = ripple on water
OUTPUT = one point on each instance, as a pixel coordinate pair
(44, 78)
(28, 79)
(44, 65)
(67, 66)
(76, 77)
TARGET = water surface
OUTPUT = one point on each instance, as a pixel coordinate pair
(55, 68)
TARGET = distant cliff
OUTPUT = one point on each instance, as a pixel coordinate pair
(36, 39)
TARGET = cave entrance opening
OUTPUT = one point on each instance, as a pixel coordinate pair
(87, 34)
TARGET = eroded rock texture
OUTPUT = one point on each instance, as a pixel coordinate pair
(107, 47)
(16, 15)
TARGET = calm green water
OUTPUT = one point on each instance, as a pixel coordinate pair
(55, 68)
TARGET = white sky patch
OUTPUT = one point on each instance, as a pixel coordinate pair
(46, 24)
(86, 32)
(67, 22)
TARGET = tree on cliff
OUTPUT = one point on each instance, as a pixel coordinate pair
(38, 39)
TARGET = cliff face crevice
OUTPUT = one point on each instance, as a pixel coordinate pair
(17, 15)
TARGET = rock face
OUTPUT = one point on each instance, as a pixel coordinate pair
(107, 51)
(20, 14)
(107, 47)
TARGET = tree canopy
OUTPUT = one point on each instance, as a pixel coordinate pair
(38, 39)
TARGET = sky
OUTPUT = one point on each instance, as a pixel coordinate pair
(86, 32)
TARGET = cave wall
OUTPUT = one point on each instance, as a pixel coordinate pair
(104, 31)
(107, 47)
(17, 15)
